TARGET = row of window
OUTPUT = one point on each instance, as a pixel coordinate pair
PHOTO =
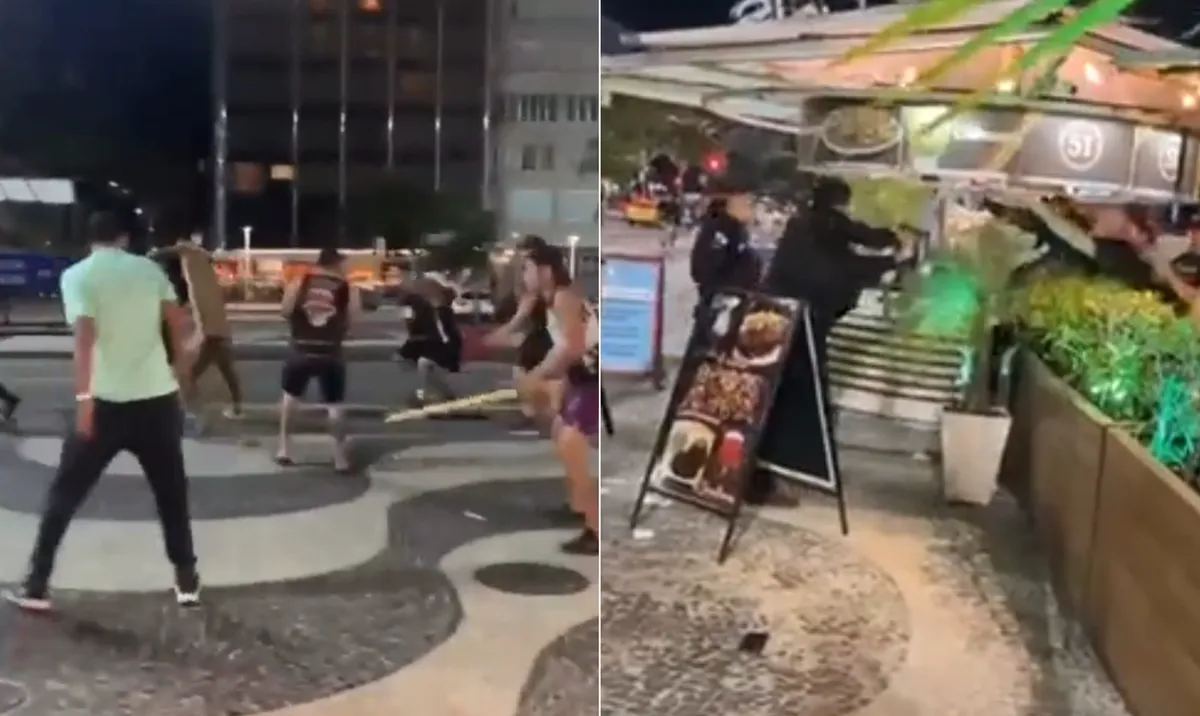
(542, 158)
(255, 178)
(322, 39)
(264, 88)
(552, 108)
(548, 206)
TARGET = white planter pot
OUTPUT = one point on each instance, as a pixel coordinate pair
(972, 448)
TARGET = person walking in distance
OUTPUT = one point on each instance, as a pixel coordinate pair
(126, 397)
(207, 301)
(319, 308)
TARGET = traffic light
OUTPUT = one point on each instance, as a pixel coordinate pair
(714, 163)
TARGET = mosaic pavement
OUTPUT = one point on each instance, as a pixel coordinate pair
(924, 609)
(430, 582)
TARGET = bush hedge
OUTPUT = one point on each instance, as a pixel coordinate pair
(1126, 350)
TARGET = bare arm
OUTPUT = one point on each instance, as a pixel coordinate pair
(569, 312)
(517, 323)
(290, 294)
(1181, 289)
(176, 318)
(79, 309)
(354, 309)
(85, 344)
(1166, 272)
(177, 325)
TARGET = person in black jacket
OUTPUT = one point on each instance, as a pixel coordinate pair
(816, 261)
(434, 345)
(722, 256)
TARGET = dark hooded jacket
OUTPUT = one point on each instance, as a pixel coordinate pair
(816, 260)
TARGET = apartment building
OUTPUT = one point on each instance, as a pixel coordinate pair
(548, 142)
(316, 100)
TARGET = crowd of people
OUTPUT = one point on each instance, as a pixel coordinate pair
(146, 329)
(826, 259)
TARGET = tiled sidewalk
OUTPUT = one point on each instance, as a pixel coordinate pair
(924, 610)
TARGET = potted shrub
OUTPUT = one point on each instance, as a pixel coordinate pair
(964, 292)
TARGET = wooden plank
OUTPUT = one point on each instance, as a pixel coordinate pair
(1066, 452)
(1144, 592)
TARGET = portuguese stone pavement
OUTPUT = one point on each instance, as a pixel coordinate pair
(428, 584)
(923, 610)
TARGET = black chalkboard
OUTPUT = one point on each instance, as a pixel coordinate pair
(707, 441)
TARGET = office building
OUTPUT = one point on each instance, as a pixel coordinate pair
(548, 142)
(318, 100)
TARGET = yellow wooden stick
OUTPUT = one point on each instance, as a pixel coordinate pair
(453, 406)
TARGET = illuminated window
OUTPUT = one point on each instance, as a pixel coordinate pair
(283, 172)
(370, 5)
(248, 178)
(415, 85)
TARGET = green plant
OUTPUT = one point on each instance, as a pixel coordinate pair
(889, 202)
(964, 292)
(1125, 350)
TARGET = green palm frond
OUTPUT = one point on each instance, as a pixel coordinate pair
(1016, 22)
(1044, 57)
(922, 17)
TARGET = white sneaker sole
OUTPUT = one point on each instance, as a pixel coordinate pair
(27, 603)
(187, 599)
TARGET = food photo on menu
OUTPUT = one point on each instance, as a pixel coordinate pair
(724, 400)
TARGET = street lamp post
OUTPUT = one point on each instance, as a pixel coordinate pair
(572, 243)
(246, 262)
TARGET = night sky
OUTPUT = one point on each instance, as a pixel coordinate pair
(1171, 17)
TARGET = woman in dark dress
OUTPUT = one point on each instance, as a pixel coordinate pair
(434, 345)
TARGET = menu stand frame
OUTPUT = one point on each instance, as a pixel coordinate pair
(732, 515)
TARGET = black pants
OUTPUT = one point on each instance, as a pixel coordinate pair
(151, 430)
(217, 352)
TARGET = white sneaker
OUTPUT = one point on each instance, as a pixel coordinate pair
(187, 588)
(29, 600)
(232, 413)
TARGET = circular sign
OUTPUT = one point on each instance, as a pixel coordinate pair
(1169, 146)
(1080, 144)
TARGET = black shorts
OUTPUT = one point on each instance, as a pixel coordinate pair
(446, 355)
(328, 371)
(534, 349)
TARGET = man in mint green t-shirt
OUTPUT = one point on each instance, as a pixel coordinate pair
(126, 400)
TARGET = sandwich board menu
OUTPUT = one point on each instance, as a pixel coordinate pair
(708, 439)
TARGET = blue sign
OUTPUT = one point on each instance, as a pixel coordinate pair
(629, 306)
(27, 275)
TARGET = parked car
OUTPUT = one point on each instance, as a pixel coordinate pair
(471, 303)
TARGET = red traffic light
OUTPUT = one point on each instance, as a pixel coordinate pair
(714, 163)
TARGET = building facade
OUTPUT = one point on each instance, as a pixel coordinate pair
(319, 100)
(548, 141)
